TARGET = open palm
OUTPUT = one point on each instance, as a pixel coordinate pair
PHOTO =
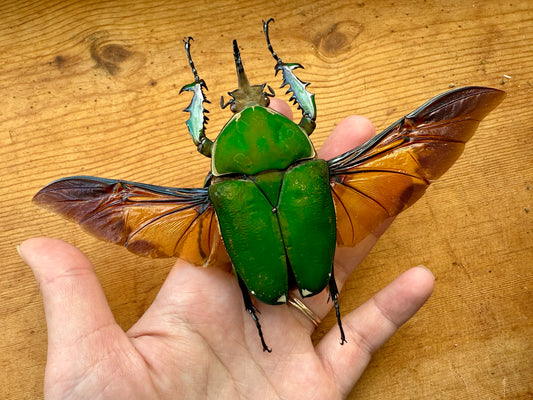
(197, 341)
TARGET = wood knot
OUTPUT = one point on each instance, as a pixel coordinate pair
(59, 61)
(114, 57)
(337, 38)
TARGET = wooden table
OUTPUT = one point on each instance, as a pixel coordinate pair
(91, 87)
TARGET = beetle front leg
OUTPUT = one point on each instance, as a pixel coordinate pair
(249, 305)
(198, 119)
(300, 95)
(334, 295)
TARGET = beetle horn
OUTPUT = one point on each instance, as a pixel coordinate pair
(244, 84)
(245, 95)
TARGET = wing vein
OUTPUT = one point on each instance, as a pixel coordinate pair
(365, 196)
(346, 212)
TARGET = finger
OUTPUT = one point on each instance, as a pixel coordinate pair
(281, 107)
(368, 327)
(349, 133)
(74, 302)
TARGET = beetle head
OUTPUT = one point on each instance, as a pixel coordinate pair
(245, 95)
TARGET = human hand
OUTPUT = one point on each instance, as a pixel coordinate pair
(197, 341)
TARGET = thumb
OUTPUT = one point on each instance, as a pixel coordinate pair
(74, 302)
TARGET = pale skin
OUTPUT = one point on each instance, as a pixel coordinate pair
(196, 341)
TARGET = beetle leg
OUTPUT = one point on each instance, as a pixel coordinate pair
(249, 305)
(300, 95)
(334, 295)
(198, 119)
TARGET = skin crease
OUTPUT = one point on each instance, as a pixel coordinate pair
(196, 341)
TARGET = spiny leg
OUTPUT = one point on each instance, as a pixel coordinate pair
(334, 295)
(198, 119)
(300, 95)
(249, 305)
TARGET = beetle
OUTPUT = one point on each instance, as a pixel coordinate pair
(268, 202)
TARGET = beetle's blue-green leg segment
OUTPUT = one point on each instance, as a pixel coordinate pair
(334, 295)
(300, 95)
(198, 119)
(249, 305)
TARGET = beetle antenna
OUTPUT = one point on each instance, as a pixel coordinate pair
(271, 92)
(265, 29)
(189, 58)
(224, 105)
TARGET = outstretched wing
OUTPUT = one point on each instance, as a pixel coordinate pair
(148, 220)
(387, 174)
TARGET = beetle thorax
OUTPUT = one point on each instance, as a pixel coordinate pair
(259, 139)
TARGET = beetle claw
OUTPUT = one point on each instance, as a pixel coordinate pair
(334, 295)
(249, 305)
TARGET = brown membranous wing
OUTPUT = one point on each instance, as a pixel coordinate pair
(148, 220)
(391, 171)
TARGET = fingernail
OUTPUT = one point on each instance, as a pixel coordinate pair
(20, 253)
(427, 269)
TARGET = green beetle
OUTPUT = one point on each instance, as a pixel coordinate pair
(269, 190)
(269, 203)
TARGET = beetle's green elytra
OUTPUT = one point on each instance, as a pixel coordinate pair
(263, 219)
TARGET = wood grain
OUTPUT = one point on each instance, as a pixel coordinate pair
(91, 88)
